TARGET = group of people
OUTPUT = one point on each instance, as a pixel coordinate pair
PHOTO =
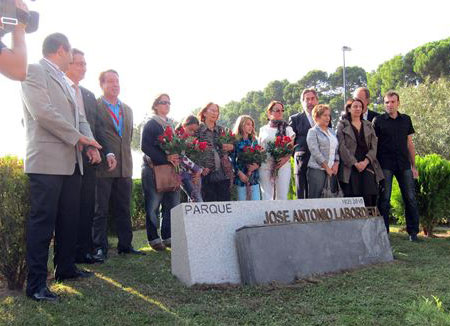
(78, 159)
(79, 164)
(361, 158)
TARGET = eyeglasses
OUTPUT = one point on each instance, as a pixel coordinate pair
(163, 102)
(278, 110)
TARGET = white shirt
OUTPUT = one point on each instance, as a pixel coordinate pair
(267, 134)
(76, 92)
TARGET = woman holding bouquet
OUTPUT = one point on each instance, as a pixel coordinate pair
(154, 155)
(360, 171)
(323, 145)
(246, 170)
(217, 170)
(275, 175)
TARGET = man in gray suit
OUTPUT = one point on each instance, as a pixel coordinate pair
(55, 134)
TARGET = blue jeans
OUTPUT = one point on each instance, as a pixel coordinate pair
(242, 192)
(153, 200)
(406, 183)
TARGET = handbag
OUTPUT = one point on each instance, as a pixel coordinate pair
(166, 178)
(328, 192)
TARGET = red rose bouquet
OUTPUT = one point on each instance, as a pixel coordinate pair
(226, 137)
(173, 142)
(195, 149)
(252, 154)
(281, 147)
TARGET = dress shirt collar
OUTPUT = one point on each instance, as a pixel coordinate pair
(55, 68)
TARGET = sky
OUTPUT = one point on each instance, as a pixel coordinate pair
(202, 51)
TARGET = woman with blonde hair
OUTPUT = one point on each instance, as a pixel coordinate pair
(268, 133)
(217, 170)
(246, 175)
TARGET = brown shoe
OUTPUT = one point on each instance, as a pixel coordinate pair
(158, 246)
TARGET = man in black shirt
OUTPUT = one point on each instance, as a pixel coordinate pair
(396, 154)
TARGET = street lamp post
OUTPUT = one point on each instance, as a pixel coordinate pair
(344, 48)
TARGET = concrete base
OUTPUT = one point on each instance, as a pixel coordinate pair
(286, 252)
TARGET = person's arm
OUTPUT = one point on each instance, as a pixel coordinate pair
(313, 145)
(335, 166)
(85, 128)
(412, 157)
(100, 130)
(188, 164)
(13, 62)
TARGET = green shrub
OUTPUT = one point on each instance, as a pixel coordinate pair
(432, 192)
(14, 209)
(137, 205)
(398, 207)
(292, 194)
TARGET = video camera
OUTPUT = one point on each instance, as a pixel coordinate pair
(10, 16)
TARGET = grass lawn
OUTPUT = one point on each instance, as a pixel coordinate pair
(140, 290)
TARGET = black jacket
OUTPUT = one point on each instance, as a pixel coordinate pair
(149, 143)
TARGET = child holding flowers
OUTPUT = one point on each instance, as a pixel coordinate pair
(247, 158)
(275, 174)
(190, 171)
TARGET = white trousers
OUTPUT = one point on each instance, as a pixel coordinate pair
(282, 181)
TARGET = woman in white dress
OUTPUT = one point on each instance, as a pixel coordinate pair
(276, 127)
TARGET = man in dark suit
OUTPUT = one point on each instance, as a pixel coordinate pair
(114, 186)
(301, 123)
(87, 105)
(55, 131)
(364, 95)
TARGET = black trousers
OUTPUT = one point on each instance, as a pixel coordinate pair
(216, 191)
(117, 192)
(301, 181)
(87, 210)
(55, 208)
